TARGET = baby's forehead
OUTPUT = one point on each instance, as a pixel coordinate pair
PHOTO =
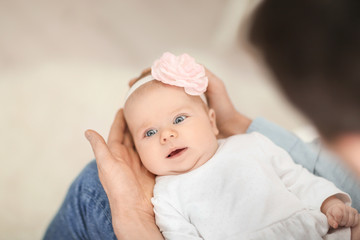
(149, 87)
(156, 92)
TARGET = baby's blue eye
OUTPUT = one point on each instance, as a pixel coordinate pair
(179, 119)
(150, 133)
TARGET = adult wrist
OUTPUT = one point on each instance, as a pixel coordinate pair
(133, 225)
(235, 124)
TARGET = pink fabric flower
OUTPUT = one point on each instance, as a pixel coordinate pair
(181, 71)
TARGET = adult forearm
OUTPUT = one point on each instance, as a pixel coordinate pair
(132, 225)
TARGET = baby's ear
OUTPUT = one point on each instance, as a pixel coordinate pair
(212, 117)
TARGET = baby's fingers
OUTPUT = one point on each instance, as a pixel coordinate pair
(332, 222)
(336, 215)
(345, 217)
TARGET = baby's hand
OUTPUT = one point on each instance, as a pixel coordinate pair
(339, 214)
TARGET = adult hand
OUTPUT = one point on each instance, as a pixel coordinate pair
(128, 185)
(229, 121)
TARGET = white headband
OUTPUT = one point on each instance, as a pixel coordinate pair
(137, 84)
(147, 79)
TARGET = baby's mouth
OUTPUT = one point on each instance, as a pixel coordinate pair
(176, 152)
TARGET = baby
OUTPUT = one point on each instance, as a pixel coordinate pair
(242, 187)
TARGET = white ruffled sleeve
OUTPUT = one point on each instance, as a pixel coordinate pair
(172, 223)
(310, 189)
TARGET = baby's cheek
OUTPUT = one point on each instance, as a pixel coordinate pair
(152, 162)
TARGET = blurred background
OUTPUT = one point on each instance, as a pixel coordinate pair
(64, 68)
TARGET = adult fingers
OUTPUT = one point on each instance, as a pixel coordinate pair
(357, 219)
(218, 98)
(210, 75)
(116, 134)
(351, 219)
(214, 81)
(132, 81)
(135, 160)
(144, 73)
(101, 151)
(128, 141)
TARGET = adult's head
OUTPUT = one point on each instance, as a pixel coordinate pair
(312, 47)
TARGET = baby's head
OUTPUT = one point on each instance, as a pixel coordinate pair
(173, 132)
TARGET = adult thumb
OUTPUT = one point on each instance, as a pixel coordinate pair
(99, 147)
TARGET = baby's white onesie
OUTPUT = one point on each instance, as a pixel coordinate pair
(250, 189)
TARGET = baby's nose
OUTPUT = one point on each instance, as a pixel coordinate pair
(168, 134)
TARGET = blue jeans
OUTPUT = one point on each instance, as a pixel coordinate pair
(85, 212)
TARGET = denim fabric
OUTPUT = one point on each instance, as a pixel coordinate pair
(313, 157)
(85, 212)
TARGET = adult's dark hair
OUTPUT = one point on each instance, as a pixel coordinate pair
(312, 47)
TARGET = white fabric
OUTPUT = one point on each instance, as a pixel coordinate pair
(137, 84)
(250, 189)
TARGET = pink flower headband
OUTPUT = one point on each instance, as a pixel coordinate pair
(180, 71)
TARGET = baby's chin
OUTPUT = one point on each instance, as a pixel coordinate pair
(171, 172)
(167, 172)
(181, 169)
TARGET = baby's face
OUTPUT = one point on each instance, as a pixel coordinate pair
(173, 132)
